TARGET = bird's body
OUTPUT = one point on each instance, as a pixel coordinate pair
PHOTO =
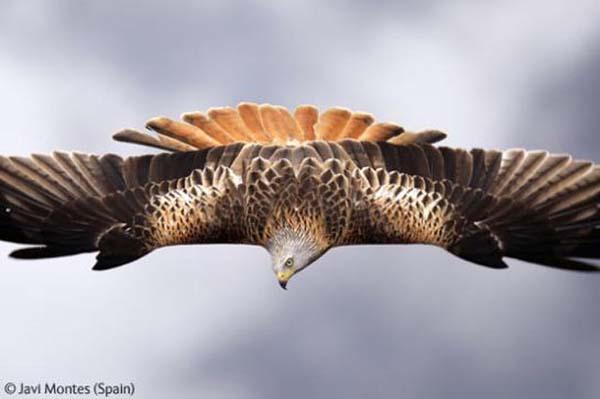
(299, 185)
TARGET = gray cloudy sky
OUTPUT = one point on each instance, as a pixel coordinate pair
(211, 322)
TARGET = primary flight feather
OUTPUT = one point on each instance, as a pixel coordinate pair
(299, 184)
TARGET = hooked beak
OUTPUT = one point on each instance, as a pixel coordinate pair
(283, 277)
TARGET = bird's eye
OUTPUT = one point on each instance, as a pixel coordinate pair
(289, 262)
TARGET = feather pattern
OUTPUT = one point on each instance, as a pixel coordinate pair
(243, 174)
(266, 123)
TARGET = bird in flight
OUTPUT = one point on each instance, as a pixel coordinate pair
(299, 183)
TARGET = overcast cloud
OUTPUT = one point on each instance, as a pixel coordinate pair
(211, 322)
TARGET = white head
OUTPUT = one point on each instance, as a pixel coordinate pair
(292, 250)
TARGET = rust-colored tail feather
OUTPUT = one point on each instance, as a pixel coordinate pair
(269, 124)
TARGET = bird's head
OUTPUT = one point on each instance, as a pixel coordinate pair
(293, 249)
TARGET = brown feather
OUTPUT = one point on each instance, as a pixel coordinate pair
(331, 123)
(356, 125)
(250, 114)
(273, 123)
(185, 132)
(258, 169)
(381, 132)
(209, 127)
(307, 116)
(231, 122)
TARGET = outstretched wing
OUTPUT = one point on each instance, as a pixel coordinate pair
(483, 205)
(71, 203)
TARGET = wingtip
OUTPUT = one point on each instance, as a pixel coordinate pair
(110, 262)
(41, 252)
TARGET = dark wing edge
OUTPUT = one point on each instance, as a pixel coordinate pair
(65, 204)
(530, 205)
(535, 206)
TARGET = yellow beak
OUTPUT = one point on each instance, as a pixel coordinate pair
(284, 276)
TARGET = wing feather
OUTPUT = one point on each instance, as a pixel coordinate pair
(530, 205)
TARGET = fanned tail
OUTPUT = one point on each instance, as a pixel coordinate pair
(269, 124)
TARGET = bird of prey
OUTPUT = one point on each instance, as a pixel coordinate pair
(299, 183)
